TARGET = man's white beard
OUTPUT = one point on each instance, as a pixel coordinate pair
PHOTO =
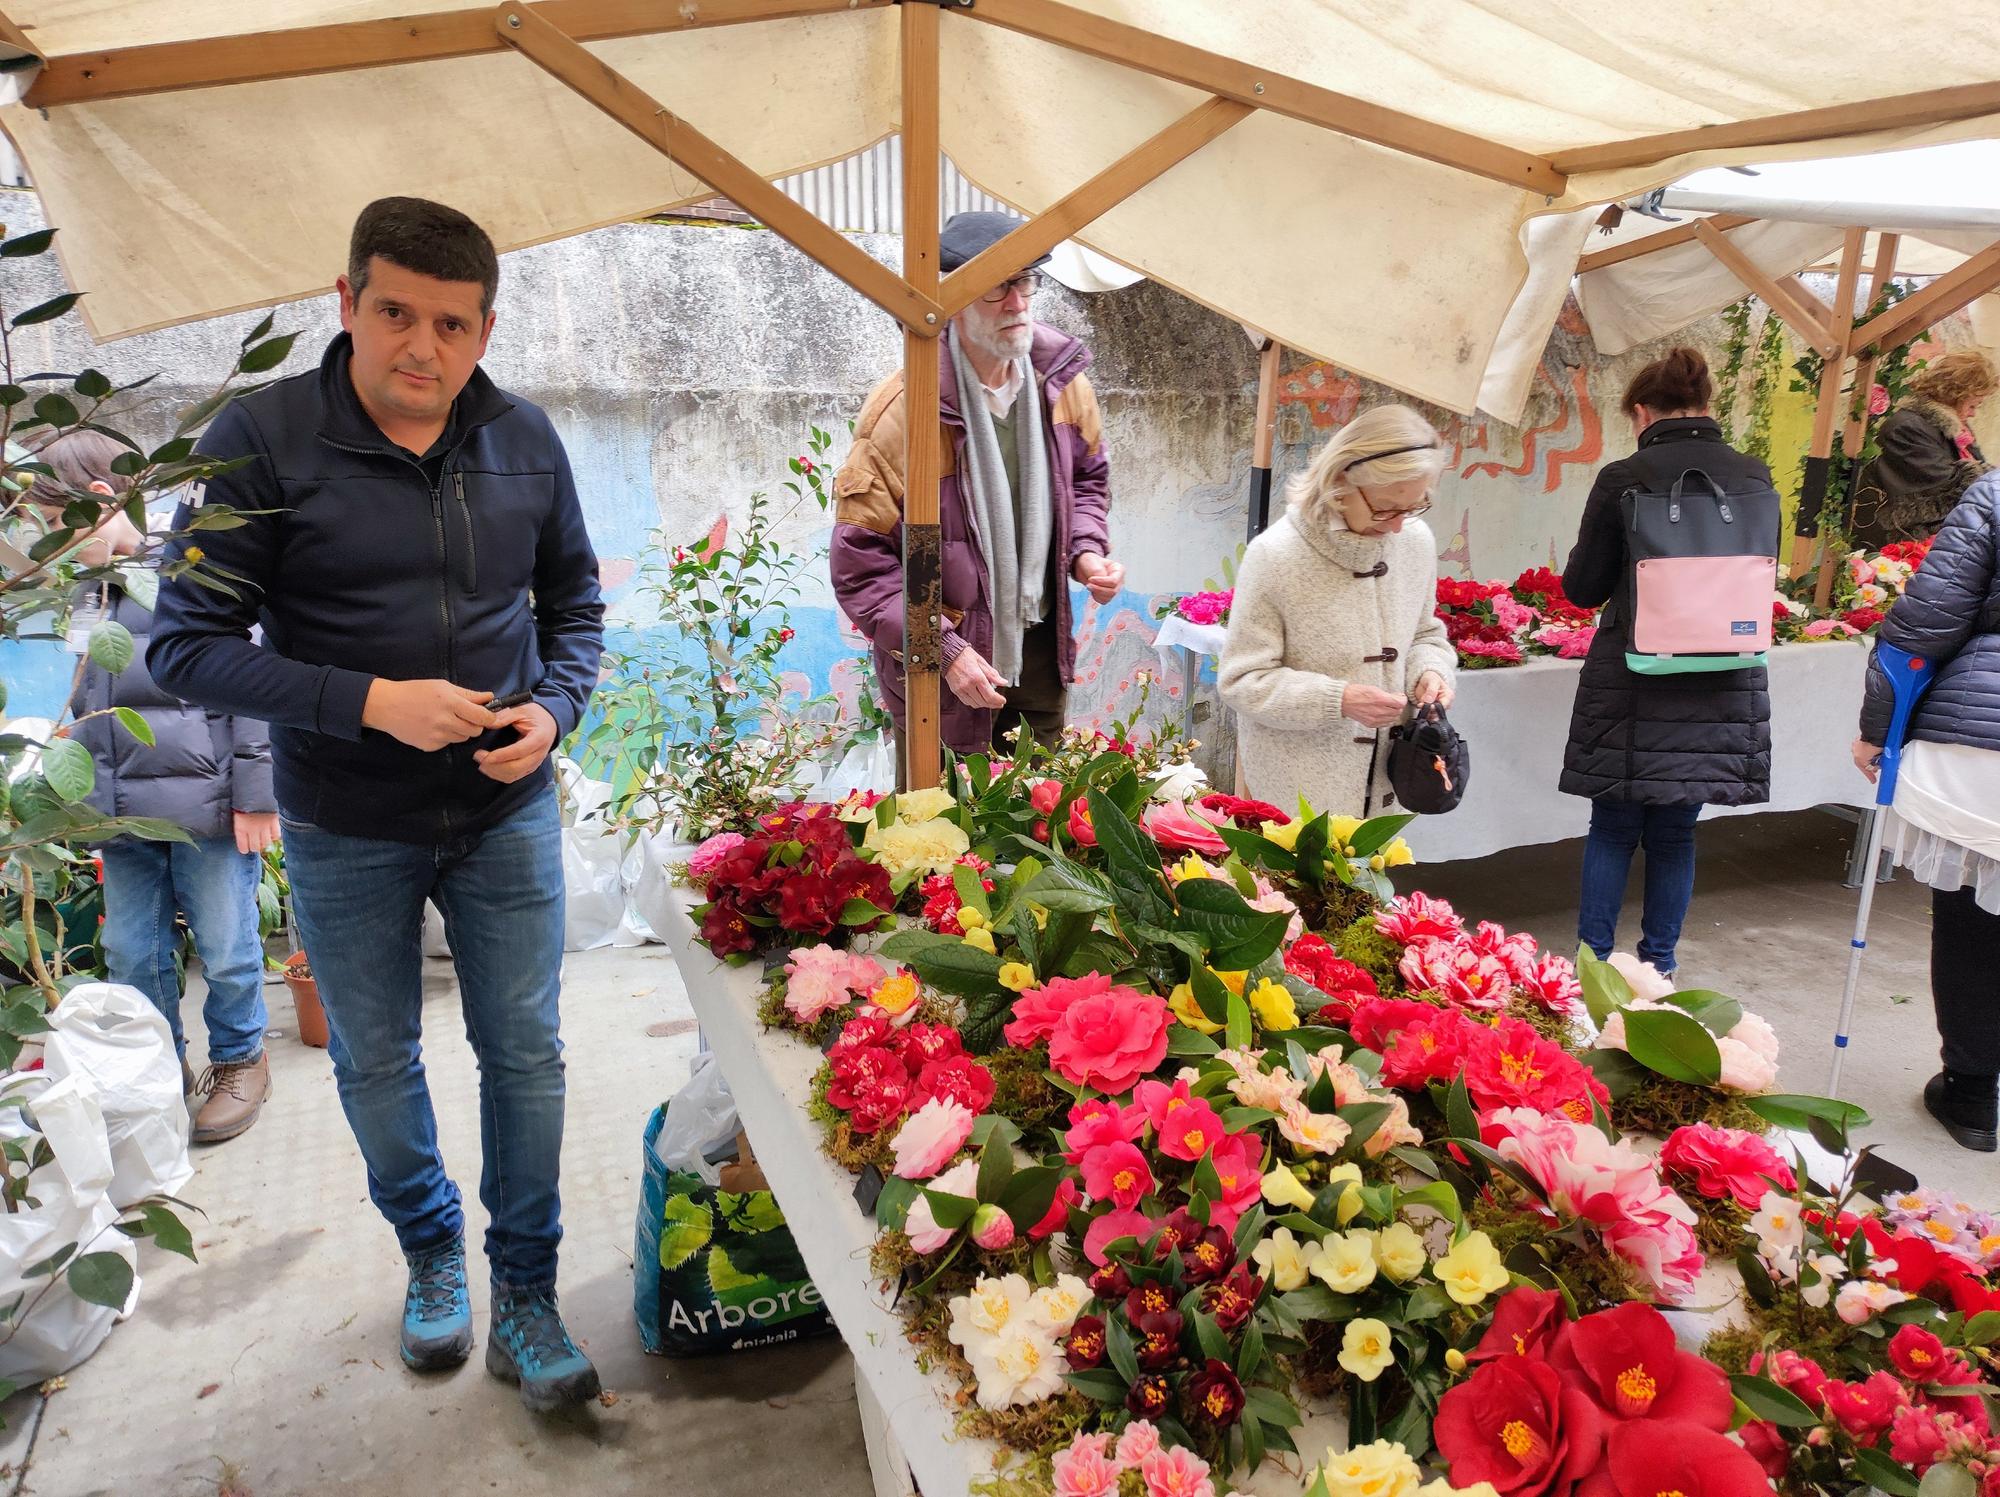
(999, 343)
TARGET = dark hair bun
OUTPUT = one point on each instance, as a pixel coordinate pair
(1677, 381)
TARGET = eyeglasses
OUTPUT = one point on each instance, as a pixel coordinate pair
(1027, 285)
(1382, 516)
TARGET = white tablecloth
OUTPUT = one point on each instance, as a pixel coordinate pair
(1516, 722)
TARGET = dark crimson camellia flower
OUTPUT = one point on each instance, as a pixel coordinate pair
(1159, 1344)
(1652, 1456)
(1516, 1424)
(920, 1044)
(1626, 1359)
(1524, 1323)
(1112, 1281)
(1085, 1347)
(1151, 1396)
(1208, 1257)
(726, 930)
(1149, 1298)
(1230, 1303)
(1176, 1231)
(1214, 1396)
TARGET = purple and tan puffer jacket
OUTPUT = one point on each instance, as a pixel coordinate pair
(867, 553)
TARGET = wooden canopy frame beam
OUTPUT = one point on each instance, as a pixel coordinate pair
(1778, 296)
(1652, 244)
(1951, 292)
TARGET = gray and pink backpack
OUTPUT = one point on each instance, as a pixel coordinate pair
(1704, 574)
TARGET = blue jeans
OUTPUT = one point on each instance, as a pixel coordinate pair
(361, 913)
(1618, 828)
(215, 886)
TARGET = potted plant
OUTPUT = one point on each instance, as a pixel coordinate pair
(305, 999)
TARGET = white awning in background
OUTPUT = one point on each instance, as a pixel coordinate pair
(181, 205)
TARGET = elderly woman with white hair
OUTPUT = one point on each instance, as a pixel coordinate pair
(1333, 633)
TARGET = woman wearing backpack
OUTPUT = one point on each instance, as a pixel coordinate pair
(1651, 750)
(1947, 812)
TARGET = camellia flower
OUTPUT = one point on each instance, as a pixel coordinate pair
(1798, 1375)
(1016, 977)
(1098, 1122)
(1471, 1270)
(1381, 1468)
(930, 1136)
(1917, 1437)
(1777, 1227)
(930, 846)
(1457, 973)
(1726, 1164)
(992, 1306)
(1021, 1365)
(1140, 1440)
(1627, 1360)
(1118, 1173)
(1526, 1322)
(1176, 1473)
(1865, 1409)
(1418, 917)
(1645, 980)
(921, 1227)
(708, 857)
(1346, 1262)
(819, 979)
(1110, 1227)
(1189, 1131)
(1516, 1424)
(1214, 1396)
(1861, 1300)
(1285, 1259)
(1109, 1040)
(1916, 1353)
(1230, 1301)
(1236, 1161)
(992, 1228)
(1174, 826)
(1314, 1132)
(1085, 1468)
(1272, 1003)
(1399, 1252)
(1650, 1457)
(1284, 833)
(1282, 1187)
(896, 996)
(1366, 1349)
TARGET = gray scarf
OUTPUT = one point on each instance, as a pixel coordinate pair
(1014, 531)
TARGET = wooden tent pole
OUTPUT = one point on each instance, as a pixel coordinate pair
(1263, 438)
(1808, 531)
(1776, 295)
(1854, 434)
(923, 561)
(1951, 292)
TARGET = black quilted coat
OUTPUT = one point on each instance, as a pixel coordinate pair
(1950, 614)
(1698, 739)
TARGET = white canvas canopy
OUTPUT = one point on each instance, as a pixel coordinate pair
(1394, 188)
(176, 205)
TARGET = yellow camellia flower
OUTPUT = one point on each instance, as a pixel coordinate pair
(1285, 834)
(1284, 1188)
(1286, 1260)
(1190, 867)
(894, 994)
(980, 938)
(1016, 977)
(1182, 1006)
(1472, 1270)
(917, 806)
(1272, 1003)
(1443, 1488)
(1380, 1469)
(1232, 980)
(1366, 1349)
(1400, 1252)
(1340, 832)
(1347, 1261)
(1350, 1198)
(969, 918)
(1398, 855)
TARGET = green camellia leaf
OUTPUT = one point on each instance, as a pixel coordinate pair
(1674, 1045)
(57, 410)
(1885, 1474)
(1237, 937)
(1767, 1400)
(1717, 1013)
(1797, 1112)
(1619, 1072)
(110, 646)
(101, 1279)
(1948, 1479)
(950, 1211)
(1604, 991)
(66, 766)
(91, 384)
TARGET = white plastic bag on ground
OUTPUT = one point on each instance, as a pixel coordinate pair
(701, 1118)
(112, 1035)
(435, 943)
(61, 1330)
(866, 766)
(593, 866)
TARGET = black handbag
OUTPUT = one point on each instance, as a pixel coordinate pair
(1429, 763)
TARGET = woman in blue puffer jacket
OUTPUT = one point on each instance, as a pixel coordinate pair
(1946, 826)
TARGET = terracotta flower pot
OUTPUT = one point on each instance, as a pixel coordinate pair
(305, 998)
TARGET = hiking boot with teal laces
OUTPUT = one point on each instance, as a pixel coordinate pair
(529, 1346)
(437, 1310)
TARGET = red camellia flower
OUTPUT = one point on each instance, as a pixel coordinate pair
(1798, 1375)
(1081, 832)
(1190, 1131)
(1917, 1262)
(1510, 1065)
(920, 1044)
(1653, 1457)
(1525, 1322)
(1057, 1216)
(1230, 1302)
(1917, 1354)
(1515, 1423)
(1208, 1257)
(1214, 1396)
(961, 1078)
(1111, 1282)
(1345, 984)
(1376, 1022)
(1958, 1370)
(1250, 814)
(1433, 1047)
(1916, 1438)
(1863, 619)
(1864, 1410)
(1085, 1348)
(1627, 1360)
(1726, 1163)
(1098, 1122)
(726, 930)
(1109, 1040)
(1045, 796)
(1768, 1447)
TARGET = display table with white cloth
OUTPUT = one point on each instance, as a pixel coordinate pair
(1516, 720)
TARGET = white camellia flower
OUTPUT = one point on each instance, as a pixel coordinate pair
(1020, 1365)
(1056, 1307)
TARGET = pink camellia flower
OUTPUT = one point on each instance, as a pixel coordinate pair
(1111, 1226)
(1238, 1161)
(1917, 1437)
(930, 1136)
(818, 979)
(1417, 917)
(1512, 614)
(710, 854)
(1045, 796)
(1206, 608)
(1038, 1010)
(1173, 825)
(1085, 1468)
(1505, 651)
(992, 1228)
(1176, 1473)
(1726, 1163)
(1141, 1439)
(1117, 1173)
(1109, 1040)
(1191, 1131)
(921, 1227)
(1878, 399)
(1156, 1101)
(1647, 982)
(1098, 1122)
(1516, 953)
(1464, 976)
(1552, 984)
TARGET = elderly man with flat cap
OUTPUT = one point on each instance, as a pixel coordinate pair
(1024, 506)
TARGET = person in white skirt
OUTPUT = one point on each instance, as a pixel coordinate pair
(1333, 632)
(1946, 816)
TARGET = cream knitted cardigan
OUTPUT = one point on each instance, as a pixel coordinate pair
(1312, 606)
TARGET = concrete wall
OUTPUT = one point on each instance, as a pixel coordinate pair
(684, 365)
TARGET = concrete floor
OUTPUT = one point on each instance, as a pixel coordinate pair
(269, 1370)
